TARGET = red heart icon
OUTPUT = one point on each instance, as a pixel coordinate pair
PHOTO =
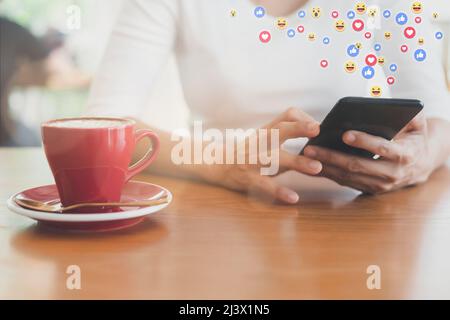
(390, 80)
(300, 29)
(410, 32)
(358, 25)
(335, 14)
(324, 63)
(368, 35)
(418, 20)
(265, 36)
(404, 48)
(371, 60)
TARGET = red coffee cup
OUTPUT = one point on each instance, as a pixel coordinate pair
(90, 157)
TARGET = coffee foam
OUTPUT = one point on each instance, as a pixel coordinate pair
(87, 123)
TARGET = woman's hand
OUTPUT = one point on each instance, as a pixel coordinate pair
(405, 161)
(245, 177)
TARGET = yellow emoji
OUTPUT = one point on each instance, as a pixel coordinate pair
(372, 12)
(417, 7)
(233, 13)
(311, 36)
(360, 8)
(281, 23)
(316, 12)
(358, 45)
(340, 25)
(375, 91)
(435, 15)
(380, 60)
(387, 35)
(350, 66)
(421, 41)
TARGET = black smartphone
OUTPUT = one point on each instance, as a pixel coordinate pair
(379, 117)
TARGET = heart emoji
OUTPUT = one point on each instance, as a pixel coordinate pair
(334, 14)
(371, 60)
(418, 20)
(368, 35)
(265, 36)
(301, 29)
(390, 80)
(358, 25)
(410, 32)
(324, 63)
(404, 48)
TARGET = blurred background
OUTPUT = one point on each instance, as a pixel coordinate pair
(78, 33)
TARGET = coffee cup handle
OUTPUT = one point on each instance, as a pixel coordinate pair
(149, 157)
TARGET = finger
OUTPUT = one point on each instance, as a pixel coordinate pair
(298, 163)
(293, 115)
(292, 130)
(382, 169)
(361, 182)
(387, 149)
(268, 188)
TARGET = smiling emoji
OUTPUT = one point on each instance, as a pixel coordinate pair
(350, 66)
(360, 8)
(375, 91)
(417, 7)
(316, 12)
(381, 60)
(388, 35)
(281, 23)
(340, 25)
(311, 36)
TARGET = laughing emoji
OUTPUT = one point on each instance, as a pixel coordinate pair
(381, 60)
(417, 7)
(360, 8)
(311, 36)
(421, 41)
(375, 91)
(281, 23)
(388, 35)
(340, 25)
(316, 12)
(350, 66)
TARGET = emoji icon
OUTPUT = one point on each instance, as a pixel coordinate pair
(368, 35)
(421, 41)
(324, 63)
(368, 72)
(439, 35)
(351, 14)
(390, 80)
(326, 40)
(375, 91)
(291, 33)
(265, 36)
(233, 13)
(301, 29)
(404, 48)
(380, 61)
(259, 12)
(417, 7)
(358, 25)
(340, 25)
(418, 20)
(410, 32)
(350, 66)
(316, 12)
(420, 55)
(387, 35)
(281, 23)
(387, 14)
(371, 60)
(334, 14)
(377, 47)
(393, 67)
(312, 36)
(435, 15)
(360, 8)
(302, 14)
(372, 12)
(353, 51)
(401, 18)
(358, 45)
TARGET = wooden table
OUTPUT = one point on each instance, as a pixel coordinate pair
(213, 243)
